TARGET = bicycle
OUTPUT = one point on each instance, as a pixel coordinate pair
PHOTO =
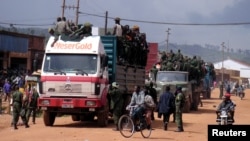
(127, 127)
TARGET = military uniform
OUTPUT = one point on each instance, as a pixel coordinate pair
(116, 103)
(84, 31)
(17, 106)
(32, 107)
(179, 103)
(153, 94)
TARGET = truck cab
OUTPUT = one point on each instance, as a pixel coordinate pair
(74, 80)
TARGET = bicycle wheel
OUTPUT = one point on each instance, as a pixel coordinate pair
(146, 130)
(126, 126)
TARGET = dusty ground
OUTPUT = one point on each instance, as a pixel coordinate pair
(64, 129)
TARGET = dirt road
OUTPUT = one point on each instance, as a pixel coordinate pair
(64, 129)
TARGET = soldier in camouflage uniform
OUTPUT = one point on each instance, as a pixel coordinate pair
(116, 103)
(84, 31)
(170, 65)
(163, 56)
(179, 104)
(154, 71)
(17, 106)
(164, 65)
(32, 106)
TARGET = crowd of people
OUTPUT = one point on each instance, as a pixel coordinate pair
(132, 45)
(20, 96)
(146, 104)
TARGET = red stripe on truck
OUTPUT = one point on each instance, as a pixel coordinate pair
(75, 79)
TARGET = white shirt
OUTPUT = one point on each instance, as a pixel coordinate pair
(118, 31)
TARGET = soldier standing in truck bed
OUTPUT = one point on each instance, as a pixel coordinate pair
(117, 31)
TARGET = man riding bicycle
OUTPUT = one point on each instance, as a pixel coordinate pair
(138, 101)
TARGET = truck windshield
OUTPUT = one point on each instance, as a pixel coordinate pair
(70, 63)
(171, 76)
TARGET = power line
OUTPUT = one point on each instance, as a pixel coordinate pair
(142, 21)
(31, 25)
(170, 23)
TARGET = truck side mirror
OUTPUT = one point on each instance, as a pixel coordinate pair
(105, 59)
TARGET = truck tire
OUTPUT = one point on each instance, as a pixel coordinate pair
(75, 117)
(195, 103)
(102, 116)
(49, 118)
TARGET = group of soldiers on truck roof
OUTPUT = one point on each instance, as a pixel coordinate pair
(132, 47)
(196, 67)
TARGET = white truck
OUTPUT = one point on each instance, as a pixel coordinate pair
(75, 79)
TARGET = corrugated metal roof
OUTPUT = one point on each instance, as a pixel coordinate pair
(13, 44)
(230, 64)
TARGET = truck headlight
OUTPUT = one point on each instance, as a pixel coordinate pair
(45, 102)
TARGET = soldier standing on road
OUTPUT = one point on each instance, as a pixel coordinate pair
(32, 107)
(179, 104)
(153, 94)
(116, 103)
(17, 106)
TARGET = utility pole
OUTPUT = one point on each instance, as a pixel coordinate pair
(63, 7)
(106, 22)
(77, 11)
(168, 32)
(73, 7)
(222, 75)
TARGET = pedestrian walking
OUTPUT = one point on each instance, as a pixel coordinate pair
(17, 108)
(7, 90)
(166, 106)
(149, 107)
(153, 94)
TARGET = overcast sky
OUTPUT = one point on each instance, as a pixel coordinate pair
(156, 16)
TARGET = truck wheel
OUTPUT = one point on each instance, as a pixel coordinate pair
(102, 116)
(75, 117)
(49, 118)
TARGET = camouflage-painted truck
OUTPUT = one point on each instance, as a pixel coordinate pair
(173, 79)
(195, 82)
